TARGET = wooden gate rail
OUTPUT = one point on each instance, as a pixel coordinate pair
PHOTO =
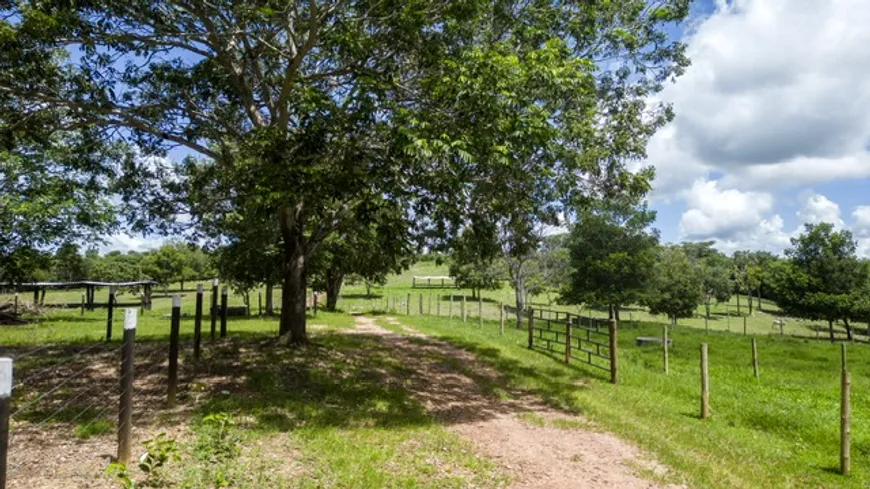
(586, 340)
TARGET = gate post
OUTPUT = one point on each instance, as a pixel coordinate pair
(531, 327)
(614, 359)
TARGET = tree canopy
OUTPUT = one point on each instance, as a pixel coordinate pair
(315, 115)
(823, 278)
(613, 251)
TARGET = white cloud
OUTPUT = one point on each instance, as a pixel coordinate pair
(861, 217)
(721, 213)
(778, 95)
(125, 242)
(817, 208)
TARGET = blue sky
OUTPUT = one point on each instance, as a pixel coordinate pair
(772, 126)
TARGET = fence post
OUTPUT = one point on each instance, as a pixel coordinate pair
(531, 327)
(315, 304)
(464, 312)
(408, 305)
(259, 304)
(438, 305)
(5, 404)
(420, 301)
(174, 327)
(705, 384)
(429, 312)
(744, 325)
(197, 324)
(83, 303)
(754, 358)
(125, 409)
(614, 357)
(15, 305)
(501, 318)
(111, 313)
(224, 300)
(706, 324)
(845, 416)
(450, 309)
(214, 308)
(665, 347)
(568, 338)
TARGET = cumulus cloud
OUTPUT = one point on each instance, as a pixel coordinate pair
(777, 95)
(714, 212)
(861, 217)
(817, 208)
(125, 242)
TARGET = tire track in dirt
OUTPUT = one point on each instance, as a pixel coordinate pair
(535, 454)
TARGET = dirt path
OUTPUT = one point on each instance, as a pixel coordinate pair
(520, 434)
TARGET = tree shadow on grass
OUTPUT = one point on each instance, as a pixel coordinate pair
(343, 381)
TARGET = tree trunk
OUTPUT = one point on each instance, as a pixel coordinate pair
(368, 288)
(295, 276)
(333, 287)
(270, 308)
(707, 307)
(610, 311)
(616, 312)
(521, 303)
(182, 285)
(848, 329)
(831, 329)
(749, 299)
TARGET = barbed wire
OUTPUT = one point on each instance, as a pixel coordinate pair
(66, 360)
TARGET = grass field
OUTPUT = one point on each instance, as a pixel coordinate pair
(779, 431)
(341, 410)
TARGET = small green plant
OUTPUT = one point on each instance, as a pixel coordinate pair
(120, 472)
(94, 428)
(217, 441)
(158, 451)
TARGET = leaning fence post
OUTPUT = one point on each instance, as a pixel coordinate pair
(214, 308)
(614, 358)
(224, 300)
(197, 324)
(754, 358)
(531, 327)
(109, 316)
(125, 409)
(845, 416)
(665, 347)
(175, 325)
(705, 384)
(5, 404)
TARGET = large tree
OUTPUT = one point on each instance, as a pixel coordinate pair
(311, 113)
(822, 277)
(613, 252)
